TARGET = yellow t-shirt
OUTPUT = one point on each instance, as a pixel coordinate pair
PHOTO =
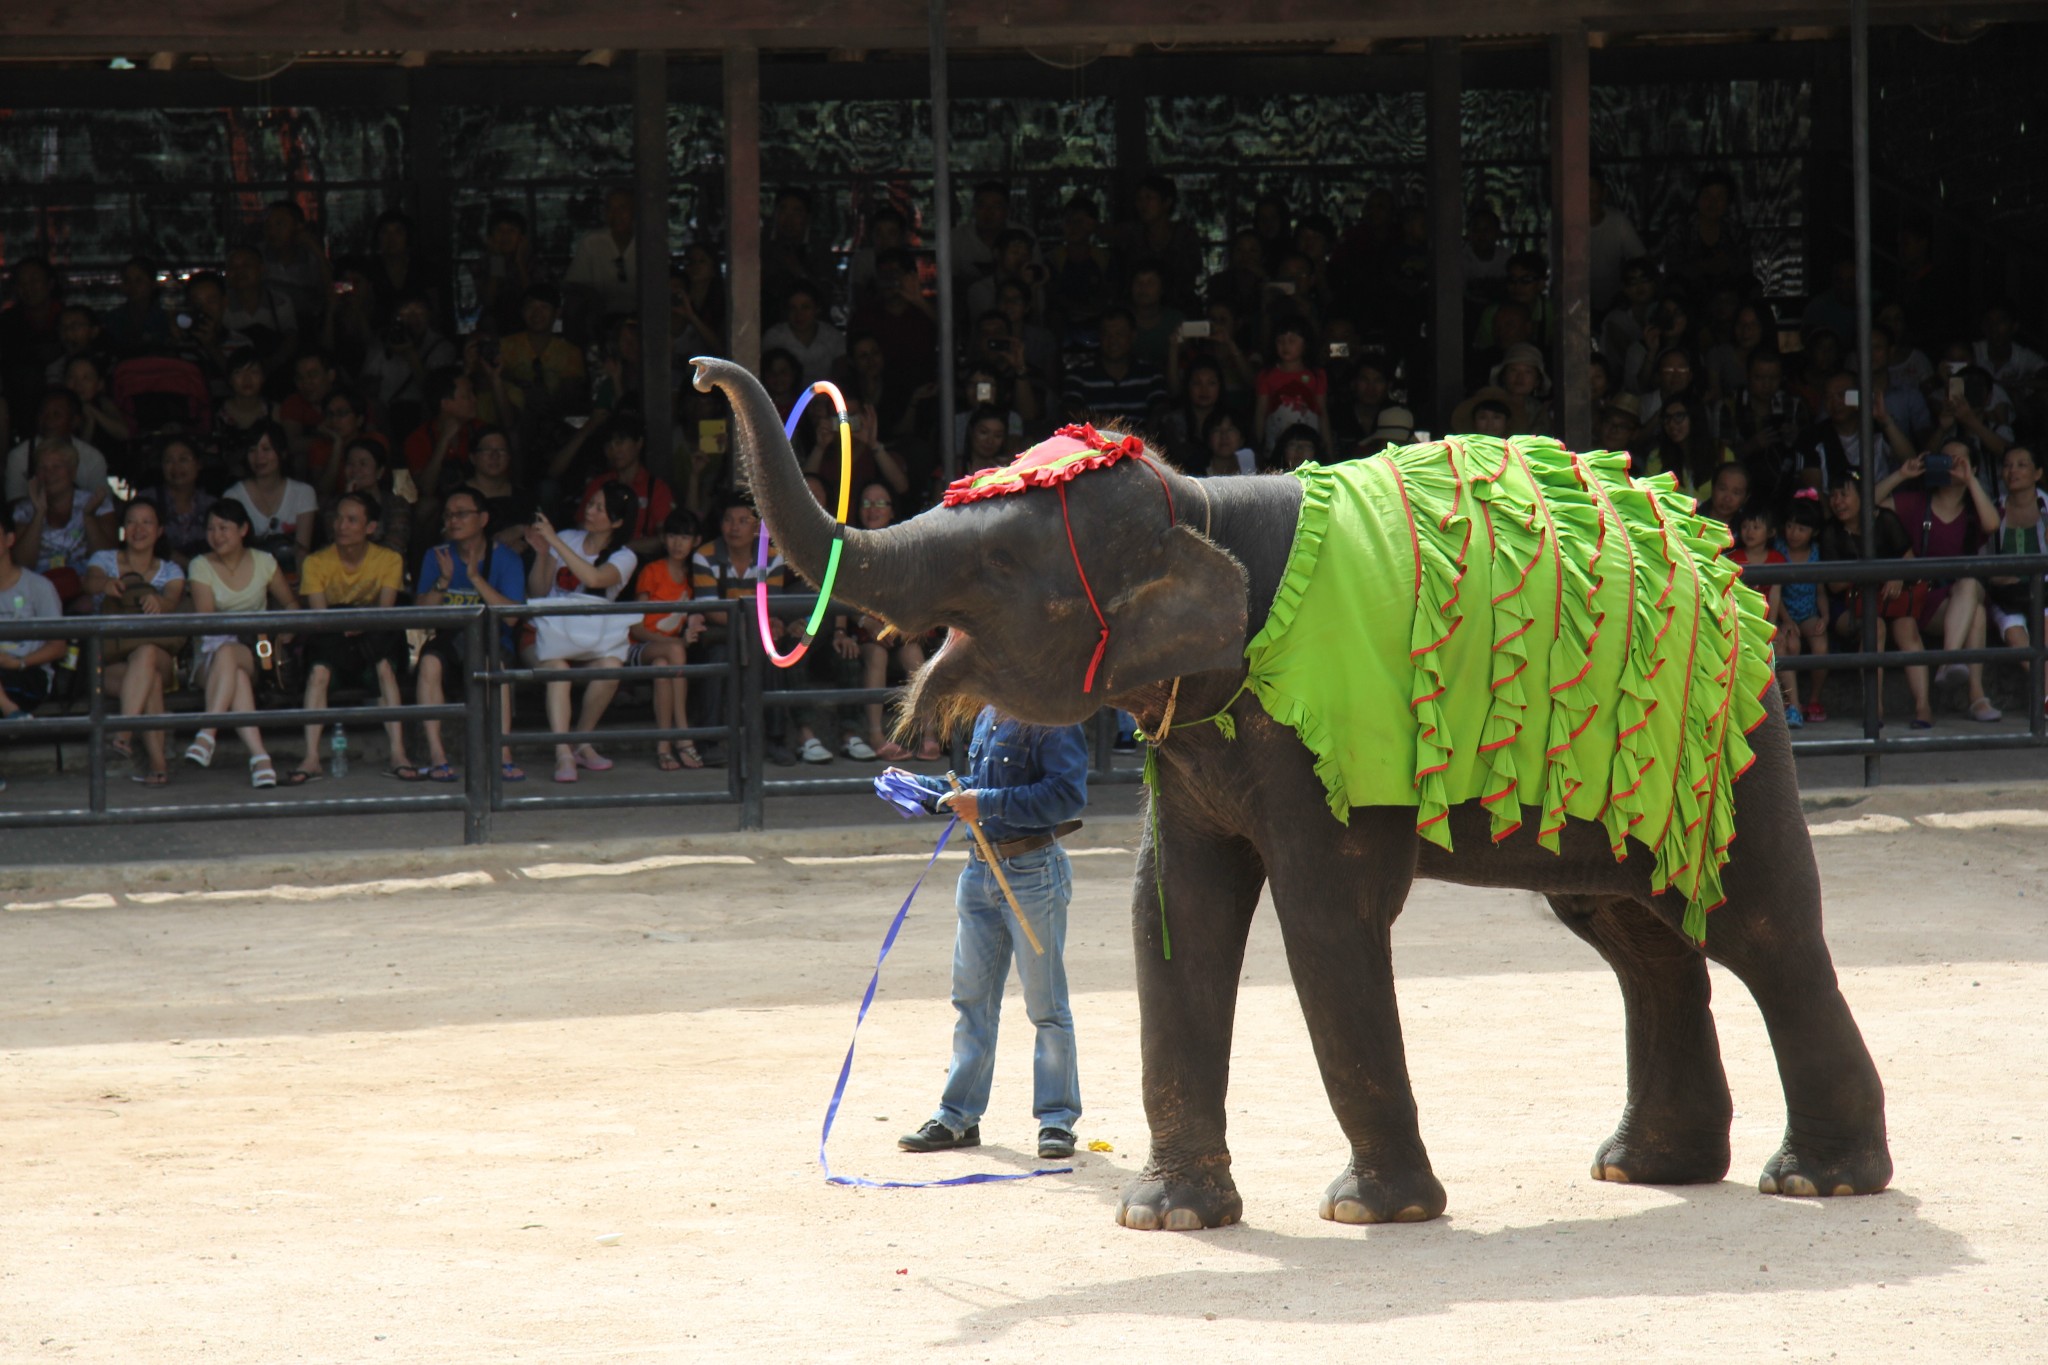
(325, 573)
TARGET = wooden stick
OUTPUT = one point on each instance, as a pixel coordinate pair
(988, 855)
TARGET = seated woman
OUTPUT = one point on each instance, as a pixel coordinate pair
(664, 637)
(232, 578)
(135, 579)
(1946, 512)
(879, 647)
(1229, 453)
(1684, 447)
(577, 566)
(365, 468)
(283, 512)
(58, 526)
(181, 504)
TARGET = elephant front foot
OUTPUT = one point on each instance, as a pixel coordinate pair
(1636, 1159)
(1155, 1200)
(1366, 1196)
(1804, 1175)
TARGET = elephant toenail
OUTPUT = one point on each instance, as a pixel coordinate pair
(1141, 1217)
(1414, 1213)
(1799, 1187)
(1767, 1184)
(1612, 1173)
(1844, 1189)
(1350, 1211)
(1183, 1220)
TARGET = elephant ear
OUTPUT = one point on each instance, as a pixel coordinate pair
(1189, 617)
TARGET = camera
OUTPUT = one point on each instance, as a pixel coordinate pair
(1941, 470)
(1340, 350)
(184, 321)
(1191, 330)
(984, 392)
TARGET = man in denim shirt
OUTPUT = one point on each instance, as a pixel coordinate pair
(1027, 788)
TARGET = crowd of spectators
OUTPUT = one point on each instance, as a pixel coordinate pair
(307, 427)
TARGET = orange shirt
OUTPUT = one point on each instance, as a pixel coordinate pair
(656, 584)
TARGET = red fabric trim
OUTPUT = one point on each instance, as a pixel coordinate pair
(1425, 824)
(1431, 772)
(1517, 633)
(1508, 790)
(1414, 539)
(1510, 832)
(1514, 675)
(1499, 744)
(1431, 697)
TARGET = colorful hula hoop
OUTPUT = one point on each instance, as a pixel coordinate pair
(831, 391)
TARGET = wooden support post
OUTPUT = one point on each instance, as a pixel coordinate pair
(432, 214)
(942, 233)
(1571, 262)
(1446, 238)
(650, 255)
(743, 203)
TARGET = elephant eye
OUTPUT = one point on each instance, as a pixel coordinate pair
(1002, 561)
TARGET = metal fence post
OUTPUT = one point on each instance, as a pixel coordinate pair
(480, 729)
(2037, 659)
(750, 740)
(96, 710)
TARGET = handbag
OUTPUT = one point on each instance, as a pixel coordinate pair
(127, 601)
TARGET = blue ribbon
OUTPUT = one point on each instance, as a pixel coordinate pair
(846, 1067)
(902, 791)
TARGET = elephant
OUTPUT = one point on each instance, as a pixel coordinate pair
(1179, 575)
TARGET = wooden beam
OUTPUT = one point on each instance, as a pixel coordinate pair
(743, 204)
(1571, 152)
(112, 27)
(1446, 236)
(650, 255)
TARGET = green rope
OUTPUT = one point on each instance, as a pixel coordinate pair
(1227, 727)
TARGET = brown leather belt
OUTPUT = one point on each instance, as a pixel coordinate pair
(1012, 848)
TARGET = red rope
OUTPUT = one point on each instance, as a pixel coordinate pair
(1095, 661)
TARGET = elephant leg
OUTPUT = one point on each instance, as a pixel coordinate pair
(1187, 1006)
(1337, 915)
(1769, 934)
(1674, 1128)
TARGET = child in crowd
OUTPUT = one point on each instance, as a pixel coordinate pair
(1290, 390)
(664, 637)
(1803, 623)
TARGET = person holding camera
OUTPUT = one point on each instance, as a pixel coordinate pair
(1830, 449)
(1946, 512)
(406, 351)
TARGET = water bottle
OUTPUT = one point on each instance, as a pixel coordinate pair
(339, 744)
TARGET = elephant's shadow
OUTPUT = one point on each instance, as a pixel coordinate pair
(1716, 1239)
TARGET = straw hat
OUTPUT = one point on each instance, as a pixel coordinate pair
(1395, 424)
(1522, 353)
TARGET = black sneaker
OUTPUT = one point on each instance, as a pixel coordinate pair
(937, 1137)
(1055, 1144)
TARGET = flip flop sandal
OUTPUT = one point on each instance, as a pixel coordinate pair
(931, 751)
(122, 747)
(565, 770)
(889, 751)
(299, 777)
(151, 779)
(667, 761)
(512, 772)
(441, 772)
(407, 773)
(687, 752)
(595, 761)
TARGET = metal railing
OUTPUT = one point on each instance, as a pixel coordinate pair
(1868, 577)
(741, 727)
(747, 699)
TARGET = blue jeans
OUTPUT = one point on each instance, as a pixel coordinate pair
(983, 945)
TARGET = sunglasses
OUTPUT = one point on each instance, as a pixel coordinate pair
(874, 503)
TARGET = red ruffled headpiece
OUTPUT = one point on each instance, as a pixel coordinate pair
(1070, 451)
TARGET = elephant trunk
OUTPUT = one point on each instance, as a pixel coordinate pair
(877, 569)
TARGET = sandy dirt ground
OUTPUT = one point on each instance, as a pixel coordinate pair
(575, 1117)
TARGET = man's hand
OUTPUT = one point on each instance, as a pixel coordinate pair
(963, 804)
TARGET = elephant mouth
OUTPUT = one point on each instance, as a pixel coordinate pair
(943, 695)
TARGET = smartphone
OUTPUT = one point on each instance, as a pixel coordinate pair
(184, 321)
(1191, 330)
(576, 421)
(711, 436)
(1789, 341)
(1247, 460)
(1955, 388)
(1340, 350)
(984, 392)
(1853, 399)
(344, 287)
